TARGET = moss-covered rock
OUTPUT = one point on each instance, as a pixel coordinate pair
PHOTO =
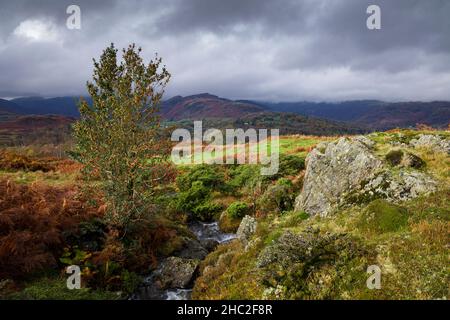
(381, 216)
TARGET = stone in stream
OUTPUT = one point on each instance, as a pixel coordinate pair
(193, 249)
(176, 272)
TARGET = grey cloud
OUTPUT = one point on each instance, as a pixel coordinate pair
(259, 49)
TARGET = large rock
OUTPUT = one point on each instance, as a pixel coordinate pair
(176, 272)
(335, 168)
(347, 172)
(433, 142)
(401, 186)
(246, 229)
(192, 249)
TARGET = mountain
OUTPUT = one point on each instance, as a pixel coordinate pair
(8, 110)
(376, 115)
(66, 106)
(371, 114)
(205, 105)
(407, 114)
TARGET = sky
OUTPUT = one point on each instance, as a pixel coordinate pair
(273, 50)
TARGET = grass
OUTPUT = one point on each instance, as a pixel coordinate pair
(55, 288)
(409, 241)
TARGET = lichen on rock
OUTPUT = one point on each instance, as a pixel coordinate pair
(434, 142)
(348, 171)
(333, 169)
(246, 229)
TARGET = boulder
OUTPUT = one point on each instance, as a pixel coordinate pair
(404, 185)
(335, 168)
(433, 142)
(192, 249)
(348, 172)
(176, 272)
(246, 229)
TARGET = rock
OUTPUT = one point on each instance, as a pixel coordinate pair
(308, 247)
(433, 142)
(176, 272)
(331, 170)
(209, 244)
(364, 140)
(246, 229)
(193, 249)
(399, 187)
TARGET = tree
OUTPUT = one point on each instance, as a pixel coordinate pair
(118, 137)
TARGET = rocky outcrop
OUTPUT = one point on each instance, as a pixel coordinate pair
(246, 229)
(401, 186)
(433, 142)
(347, 171)
(335, 168)
(176, 272)
(307, 248)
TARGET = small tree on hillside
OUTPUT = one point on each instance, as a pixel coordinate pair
(118, 137)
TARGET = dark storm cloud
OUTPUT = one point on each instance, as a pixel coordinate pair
(260, 49)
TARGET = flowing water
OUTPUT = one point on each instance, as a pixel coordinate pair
(210, 231)
(204, 232)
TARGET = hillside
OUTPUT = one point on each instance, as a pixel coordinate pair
(369, 114)
(377, 115)
(337, 206)
(34, 129)
(205, 105)
(66, 106)
(8, 110)
(287, 123)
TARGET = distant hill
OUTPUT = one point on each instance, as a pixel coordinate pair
(205, 105)
(371, 114)
(66, 106)
(8, 110)
(30, 129)
(288, 123)
(376, 115)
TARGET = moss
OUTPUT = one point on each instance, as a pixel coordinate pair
(381, 216)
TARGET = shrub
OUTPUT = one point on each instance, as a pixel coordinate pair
(381, 216)
(210, 175)
(33, 221)
(243, 176)
(12, 162)
(193, 197)
(277, 198)
(290, 165)
(206, 211)
(238, 210)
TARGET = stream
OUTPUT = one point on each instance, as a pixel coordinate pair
(204, 232)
